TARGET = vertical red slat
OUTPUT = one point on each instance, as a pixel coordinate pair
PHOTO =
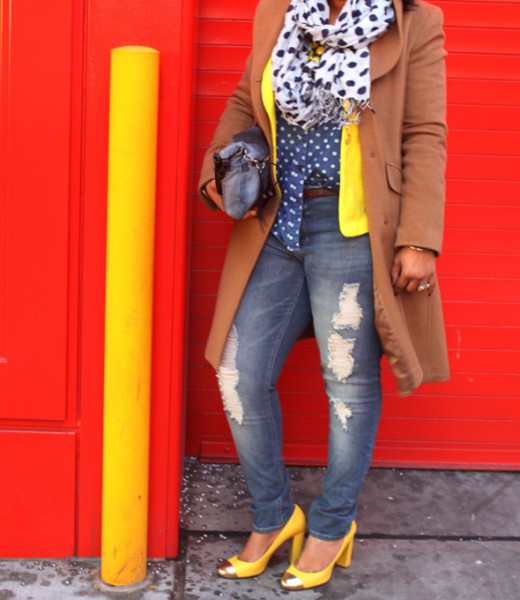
(178, 356)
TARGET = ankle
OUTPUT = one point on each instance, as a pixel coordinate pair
(256, 545)
(317, 554)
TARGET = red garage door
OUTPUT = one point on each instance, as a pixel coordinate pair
(474, 420)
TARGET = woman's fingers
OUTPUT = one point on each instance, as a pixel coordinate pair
(216, 198)
(211, 190)
(250, 214)
(413, 271)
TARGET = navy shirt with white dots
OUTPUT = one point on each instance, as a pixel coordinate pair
(305, 159)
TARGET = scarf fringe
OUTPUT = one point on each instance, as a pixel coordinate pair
(324, 107)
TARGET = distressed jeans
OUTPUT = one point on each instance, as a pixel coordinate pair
(329, 282)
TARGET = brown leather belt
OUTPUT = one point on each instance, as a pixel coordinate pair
(315, 192)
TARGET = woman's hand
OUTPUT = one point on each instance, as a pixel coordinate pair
(413, 271)
(216, 198)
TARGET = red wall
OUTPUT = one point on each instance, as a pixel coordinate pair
(54, 75)
(474, 420)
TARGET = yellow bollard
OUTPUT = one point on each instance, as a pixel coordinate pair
(128, 314)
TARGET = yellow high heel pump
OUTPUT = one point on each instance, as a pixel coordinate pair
(294, 579)
(294, 530)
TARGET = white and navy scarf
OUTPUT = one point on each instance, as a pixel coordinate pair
(321, 72)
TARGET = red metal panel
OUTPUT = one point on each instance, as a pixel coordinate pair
(483, 338)
(499, 143)
(35, 115)
(208, 108)
(487, 167)
(498, 93)
(222, 58)
(227, 9)
(470, 116)
(483, 66)
(485, 15)
(489, 41)
(38, 494)
(478, 191)
(469, 289)
(405, 454)
(474, 420)
(470, 241)
(216, 83)
(236, 33)
(484, 265)
(40, 72)
(495, 217)
(311, 428)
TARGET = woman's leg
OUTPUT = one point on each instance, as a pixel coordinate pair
(273, 313)
(339, 277)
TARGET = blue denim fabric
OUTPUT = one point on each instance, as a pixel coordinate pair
(329, 280)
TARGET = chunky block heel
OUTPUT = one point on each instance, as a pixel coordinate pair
(294, 530)
(296, 547)
(346, 558)
(294, 579)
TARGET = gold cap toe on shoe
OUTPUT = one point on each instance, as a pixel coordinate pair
(227, 570)
(291, 582)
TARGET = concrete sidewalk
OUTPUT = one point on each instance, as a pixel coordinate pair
(422, 535)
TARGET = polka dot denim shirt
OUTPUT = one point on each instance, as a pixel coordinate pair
(305, 159)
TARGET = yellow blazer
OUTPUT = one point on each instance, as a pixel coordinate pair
(352, 215)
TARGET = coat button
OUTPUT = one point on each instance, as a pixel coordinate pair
(372, 154)
(385, 221)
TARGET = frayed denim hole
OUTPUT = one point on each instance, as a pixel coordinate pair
(342, 412)
(228, 377)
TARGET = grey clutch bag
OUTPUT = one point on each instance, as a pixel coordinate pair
(243, 173)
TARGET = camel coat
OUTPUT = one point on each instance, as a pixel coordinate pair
(403, 146)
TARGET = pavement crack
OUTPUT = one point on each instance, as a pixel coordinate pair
(193, 533)
(179, 567)
(492, 497)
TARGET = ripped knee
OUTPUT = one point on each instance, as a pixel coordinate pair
(228, 377)
(342, 412)
(341, 348)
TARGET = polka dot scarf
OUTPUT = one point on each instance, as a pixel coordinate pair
(321, 72)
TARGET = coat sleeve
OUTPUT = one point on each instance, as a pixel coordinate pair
(424, 139)
(237, 116)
